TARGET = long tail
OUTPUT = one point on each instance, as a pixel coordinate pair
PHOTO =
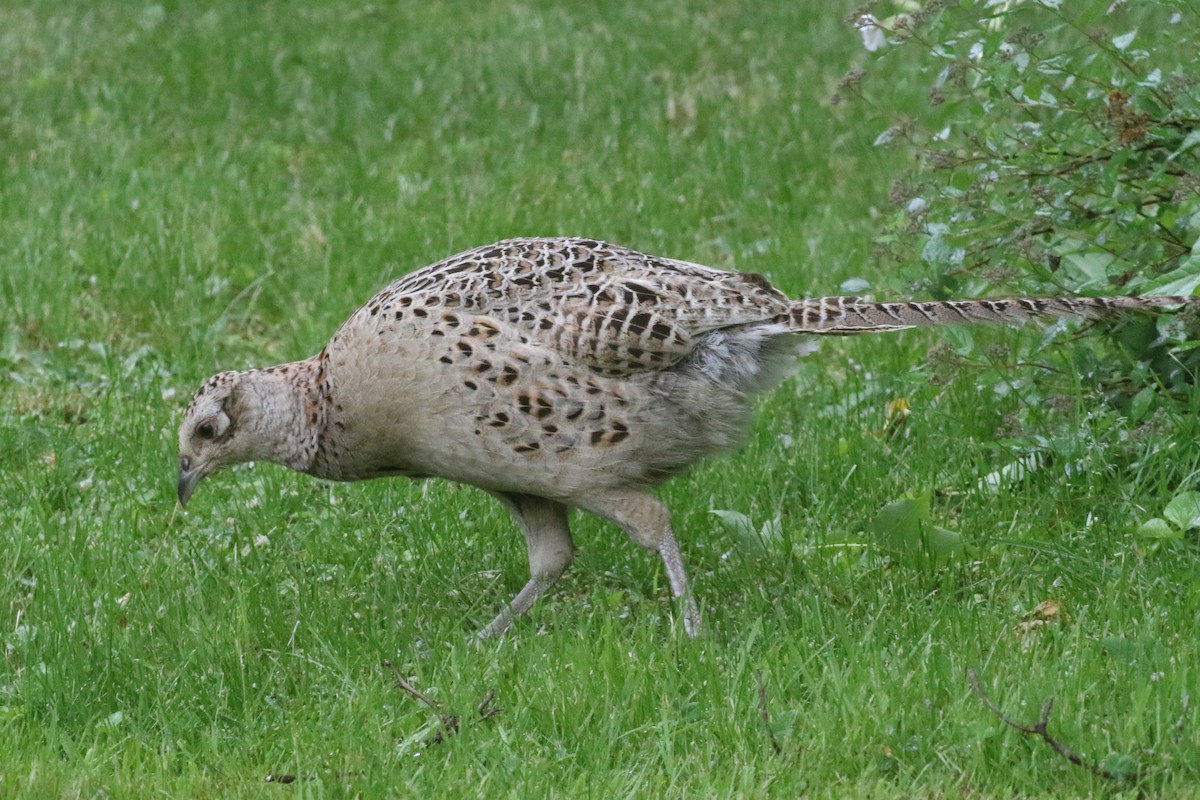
(847, 316)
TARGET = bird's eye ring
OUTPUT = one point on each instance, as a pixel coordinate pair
(206, 430)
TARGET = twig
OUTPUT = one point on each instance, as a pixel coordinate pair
(1037, 729)
(403, 683)
(487, 706)
(450, 722)
(765, 711)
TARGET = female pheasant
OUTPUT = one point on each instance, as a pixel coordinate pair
(552, 373)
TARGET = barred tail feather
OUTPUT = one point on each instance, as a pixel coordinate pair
(848, 316)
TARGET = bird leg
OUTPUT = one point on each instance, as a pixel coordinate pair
(548, 537)
(648, 522)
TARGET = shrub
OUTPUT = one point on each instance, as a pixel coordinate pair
(1060, 154)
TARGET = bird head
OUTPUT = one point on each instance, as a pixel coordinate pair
(271, 414)
(212, 435)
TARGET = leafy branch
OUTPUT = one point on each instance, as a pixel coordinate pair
(1060, 153)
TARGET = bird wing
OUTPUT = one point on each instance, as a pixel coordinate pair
(610, 309)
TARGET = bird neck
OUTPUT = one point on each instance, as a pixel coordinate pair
(291, 403)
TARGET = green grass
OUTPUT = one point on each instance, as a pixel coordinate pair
(191, 187)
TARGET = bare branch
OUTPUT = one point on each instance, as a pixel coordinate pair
(450, 722)
(403, 683)
(487, 706)
(1039, 728)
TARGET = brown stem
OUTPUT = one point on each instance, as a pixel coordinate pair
(765, 711)
(1039, 728)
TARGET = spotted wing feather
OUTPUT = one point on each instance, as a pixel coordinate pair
(610, 309)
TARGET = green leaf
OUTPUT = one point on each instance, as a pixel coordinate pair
(1183, 280)
(1171, 329)
(962, 343)
(855, 286)
(771, 531)
(757, 541)
(944, 543)
(899, 522)
(737, 522)
(1088, 268)
(1189, 141)
(1119, 766)
(1123, 41)
(887, 137)
(783, 723)
(1142, 404)
(1156, 528)
(1184, 510)
(903, 528)
(937, 251)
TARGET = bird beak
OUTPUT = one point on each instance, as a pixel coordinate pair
(189, 476)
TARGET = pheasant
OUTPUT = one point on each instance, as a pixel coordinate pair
(552, 373)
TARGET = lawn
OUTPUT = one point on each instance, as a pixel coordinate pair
(186, 188)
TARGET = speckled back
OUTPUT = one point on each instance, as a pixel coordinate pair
(611, 309)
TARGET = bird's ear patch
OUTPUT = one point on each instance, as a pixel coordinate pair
(231, 409)
(233, 401)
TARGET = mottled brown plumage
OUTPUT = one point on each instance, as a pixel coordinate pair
(552, 373)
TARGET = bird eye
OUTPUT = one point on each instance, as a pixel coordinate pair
(205, 430)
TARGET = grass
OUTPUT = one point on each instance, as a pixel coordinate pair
(191, 187)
